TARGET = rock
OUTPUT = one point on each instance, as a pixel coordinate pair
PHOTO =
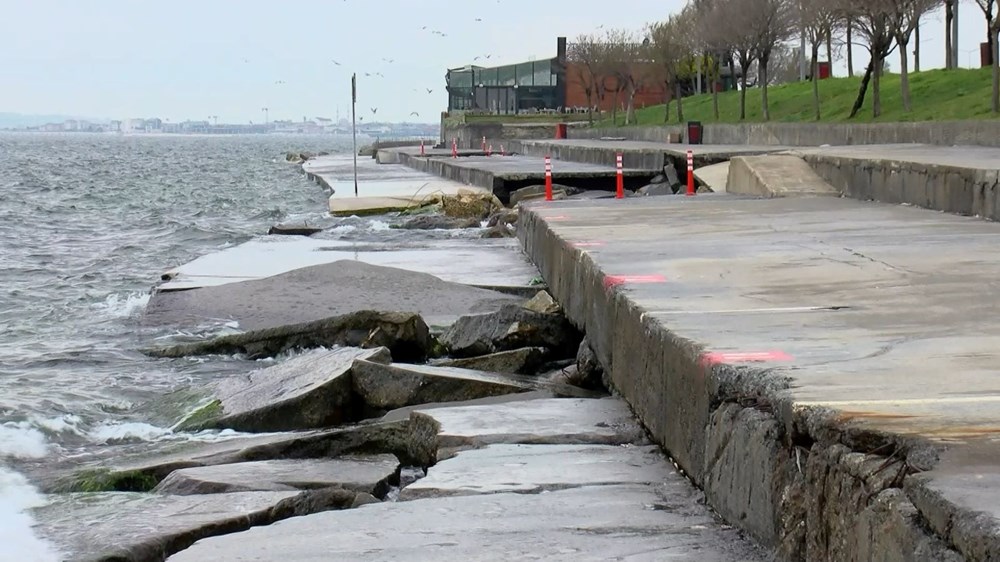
(298, 157)
(499, 231)
(617, 522)
(439, 222)
(134, 526)
(437, 433)
(538, 191)
(405, 334)
(294, 229)
(309, 391)
(472, 204)
(131, 470)
(523, 361)
(502, 217)
(321, 291)
(589, 372)
(658, 178)
(511, 327)
(656, 189)
(371, 474)
(670, 173)
(433, 208)
(387, 387)
(543, 303)
(532, 469)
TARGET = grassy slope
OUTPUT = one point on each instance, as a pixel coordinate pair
(936, 95)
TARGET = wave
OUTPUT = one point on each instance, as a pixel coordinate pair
(17, 534)
(123, 305)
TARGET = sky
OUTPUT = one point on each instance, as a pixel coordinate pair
(186, 59)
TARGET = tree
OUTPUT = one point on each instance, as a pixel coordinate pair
(718, 30)
(848, 25)
(988, 7)
(586, 54)
(873, 23)
(634, 70)
(992, 31)
(949, 16)
(611, 66)
(905, 17)
(666, 53)
(818, 19)
(771, 22)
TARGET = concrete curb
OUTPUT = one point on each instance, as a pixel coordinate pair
(795, 478)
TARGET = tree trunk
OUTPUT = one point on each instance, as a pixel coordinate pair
(948, 15)
(614, 107)
(860, 100)
(590, 103)
(680, 106)
(666, 104)
(815, 79)
(713, 81)
(916, 47)
(904, 76)
(762, 66)
(996, 72)
(630, 113)
(743, 96)
(850, 52)
(829, 51)
(877, 87)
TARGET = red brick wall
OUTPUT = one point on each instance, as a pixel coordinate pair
(653, 91)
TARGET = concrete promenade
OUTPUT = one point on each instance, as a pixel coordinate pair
(824, 368)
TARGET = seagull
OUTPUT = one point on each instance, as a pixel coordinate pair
(388, 60)
(414, 113)
(380, 75)
(424, 27)
(246, 60)
(279, 81)
(476, 58)
(488, 56)
(429, 91)
(367, 74)
(374, 110)
(335, 62)
(479, 19)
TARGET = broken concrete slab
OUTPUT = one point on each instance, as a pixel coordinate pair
(538, 468)
(631, 522)
(543, 303)
(511, 327)
(369, 474)
(405, 334)
(775, 175)
(310, 391)
(385, 386)
(127, 469)
(300, 229)
(533, 192)
(522, 361)
(714, 176)
(604, 421)
(321, 291)
(142, 527)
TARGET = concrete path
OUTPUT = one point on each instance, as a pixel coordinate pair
(857, 320)
(975, 157)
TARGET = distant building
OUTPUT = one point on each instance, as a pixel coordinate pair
(552, 84)
(153, 125)
(133, 126)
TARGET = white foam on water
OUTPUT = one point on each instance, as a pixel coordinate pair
(117, 432)
(17, 534)
(378, 226)
(343, 229)
(21, 440)
(118, 305)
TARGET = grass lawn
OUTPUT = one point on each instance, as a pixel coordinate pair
(936, 95)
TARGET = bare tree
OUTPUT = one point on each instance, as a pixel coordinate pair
(988, 7)
(949, 15)
(613, 67)
(666, 53)
(818, 19)
(634, 70)
(873, 22)
(905, 17)
(771, 22)
(742, 42)
(848, 27)
(714, 34)
(586, 54)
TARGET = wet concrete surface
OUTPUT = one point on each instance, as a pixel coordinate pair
(321, 291)
(884, 314)
(498, 262)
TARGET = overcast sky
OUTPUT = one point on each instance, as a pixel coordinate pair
(186, 59)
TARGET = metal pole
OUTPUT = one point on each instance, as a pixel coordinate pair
(354, 127)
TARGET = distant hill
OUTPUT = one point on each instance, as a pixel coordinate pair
(15, 120)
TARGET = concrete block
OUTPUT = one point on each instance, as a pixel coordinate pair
(775, 176)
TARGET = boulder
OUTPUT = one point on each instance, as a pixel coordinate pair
(502, 217)
(589, 372)
(439, 222)
(136, 526)
(537, 191)
(499, 231)
(670, 173)
(405, 334)
(387, 387)
(294, 229)
(370, 474)
(523, 361)
(511, 327)
(543, 303)
(309, 391)
(656, 189)
(470, 204)
(658, 178)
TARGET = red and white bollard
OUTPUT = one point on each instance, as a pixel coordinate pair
(489, 150)
(619, 178)
(484, 143)
(690, 190)
(422, 148)
(548, 178)
(454, 148)
(502, 151)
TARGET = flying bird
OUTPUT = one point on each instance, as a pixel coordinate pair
(479, 19)
(380, 75)
(414, 113)
(429, 91)
(335, 62)
(279, 81)
(367, 74)
(388, 60)
(374, 110)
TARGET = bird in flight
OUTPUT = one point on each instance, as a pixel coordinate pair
(279, 81)
(429, 91)
(380, 75)
(388, 60)
(414, 113)
(335, 62)
(374, 110)
(479, 19)
(367, 74)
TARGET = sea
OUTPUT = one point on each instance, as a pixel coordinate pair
(88, 223)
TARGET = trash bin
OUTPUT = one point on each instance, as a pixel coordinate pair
(694, 132)
(561, 131)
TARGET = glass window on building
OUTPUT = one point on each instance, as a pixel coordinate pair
(524, 74)
(506, 75)
(543, 73)
(460, 79)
